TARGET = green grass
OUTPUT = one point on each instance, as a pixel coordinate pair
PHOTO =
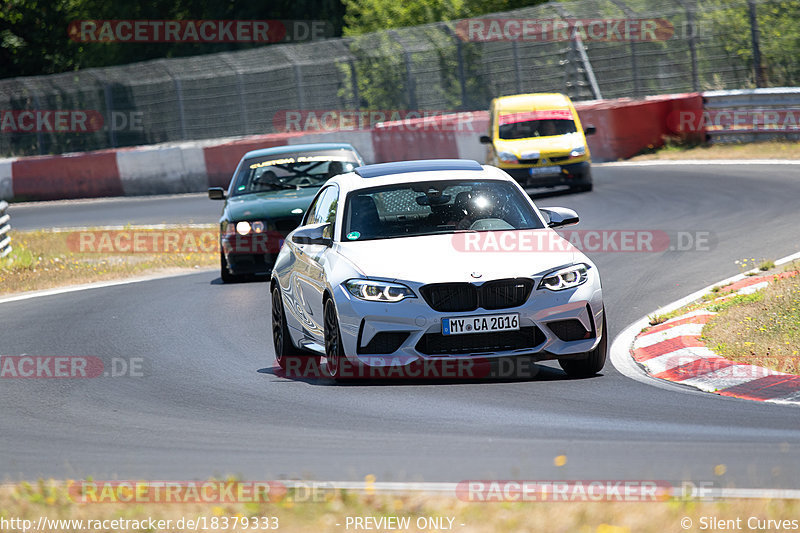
(46, 259)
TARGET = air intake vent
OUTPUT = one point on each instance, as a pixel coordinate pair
(569, 330)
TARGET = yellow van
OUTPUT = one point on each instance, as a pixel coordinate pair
(539, 141)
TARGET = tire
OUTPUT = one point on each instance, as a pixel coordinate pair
(594, 360)
(335, 358)
(288, 356)
(224, 273)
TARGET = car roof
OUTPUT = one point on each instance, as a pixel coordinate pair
(291, 148)
(421, 165)
(417, 171)
(528, 102)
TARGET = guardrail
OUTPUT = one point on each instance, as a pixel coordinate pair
(5, 226)
(750, 115)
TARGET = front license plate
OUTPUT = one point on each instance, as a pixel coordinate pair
(544, 171)
(480, 324)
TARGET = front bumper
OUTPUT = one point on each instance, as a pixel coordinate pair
(391, 334)
(574, 174)
(251, 254)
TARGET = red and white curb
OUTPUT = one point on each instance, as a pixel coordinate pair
(673, 352)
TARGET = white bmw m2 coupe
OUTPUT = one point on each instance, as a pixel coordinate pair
(398, 263)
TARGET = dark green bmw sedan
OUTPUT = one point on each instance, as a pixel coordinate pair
(266, 199)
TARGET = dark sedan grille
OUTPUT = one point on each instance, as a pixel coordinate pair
(438, 344)
(457, 297)
(286, 225)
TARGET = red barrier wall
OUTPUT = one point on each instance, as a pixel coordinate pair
(421, 138)
(85, 175)
(627, 127)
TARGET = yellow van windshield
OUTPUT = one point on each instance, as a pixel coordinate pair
(526, 124)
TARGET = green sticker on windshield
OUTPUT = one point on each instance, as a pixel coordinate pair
(353, 235)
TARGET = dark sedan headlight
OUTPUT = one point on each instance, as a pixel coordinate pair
(565, 278)
(245, 227)
(378, 291)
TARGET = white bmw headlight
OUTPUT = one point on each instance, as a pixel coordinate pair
(378, 291)
(565, 278)
(506, 157)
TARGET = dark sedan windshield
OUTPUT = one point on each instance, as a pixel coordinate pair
(411, 209)
(292, 170)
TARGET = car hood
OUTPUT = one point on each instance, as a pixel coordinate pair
(452, 257)
(531, 148)
(270, 204)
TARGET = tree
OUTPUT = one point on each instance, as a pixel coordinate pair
(365, 16)
(34, 38)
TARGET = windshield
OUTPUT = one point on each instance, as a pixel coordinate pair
(527, 124)
(427, 208)
(292, 170)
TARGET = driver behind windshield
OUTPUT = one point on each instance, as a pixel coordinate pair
(290, 171)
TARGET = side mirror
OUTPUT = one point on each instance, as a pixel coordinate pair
(590, 130)
(316, 234)
(485, 139)
(558, 217)
(216, 193)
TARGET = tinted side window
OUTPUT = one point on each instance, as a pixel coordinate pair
(325, 211)
(308, 218)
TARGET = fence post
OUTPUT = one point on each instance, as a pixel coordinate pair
(354, 83)
(517, 73)
(5, 240)
(36, 107)
(576, 45)
(179, 96)
(239, 90)
(412, 84)
(755, 34)
(628, 12)
(462, 79)
(112, 135)
(693, 48)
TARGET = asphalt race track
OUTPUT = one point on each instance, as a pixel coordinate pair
(141, 210)
(211, 405)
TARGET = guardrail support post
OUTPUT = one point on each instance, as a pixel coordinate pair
(5, 226)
